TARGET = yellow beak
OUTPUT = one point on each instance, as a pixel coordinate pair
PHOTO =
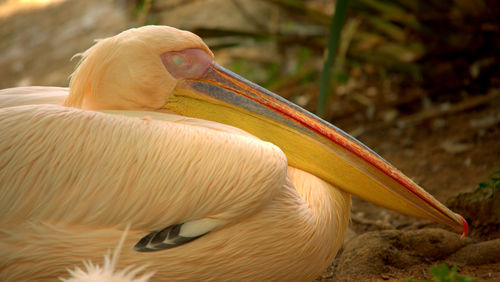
(310, 143)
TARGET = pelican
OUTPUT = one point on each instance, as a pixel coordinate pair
(218, 178)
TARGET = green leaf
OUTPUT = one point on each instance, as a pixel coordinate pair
(483, 185)
(333, 44)
(390, 29)
(440, 272)
(443, 273)
(494, 183)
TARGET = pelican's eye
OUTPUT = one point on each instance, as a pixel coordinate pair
(178, 60)
(189, 63)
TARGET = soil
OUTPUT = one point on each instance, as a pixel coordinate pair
(451, 174)
(448, 154)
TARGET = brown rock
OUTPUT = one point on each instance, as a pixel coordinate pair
(481, 209)
(380, 252)
(480, 253)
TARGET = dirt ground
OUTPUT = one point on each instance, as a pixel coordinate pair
(447, 152)
(447, 160)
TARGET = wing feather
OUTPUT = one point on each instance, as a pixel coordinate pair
(69, 165)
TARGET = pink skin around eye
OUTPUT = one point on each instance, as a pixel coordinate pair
(189, 63)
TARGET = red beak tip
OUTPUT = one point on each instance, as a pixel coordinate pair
(465, 227)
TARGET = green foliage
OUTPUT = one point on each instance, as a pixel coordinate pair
(333, 44)
(443, 273)
(141, 6)
(141, 12)
(494, 183)
(430, 42)
(267, 74)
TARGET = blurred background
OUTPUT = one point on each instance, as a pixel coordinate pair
(392, 53)
(418, 81)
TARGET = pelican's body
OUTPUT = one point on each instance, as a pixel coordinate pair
(72, 178)
(283, 216)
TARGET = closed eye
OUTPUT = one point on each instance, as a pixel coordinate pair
(188, 63)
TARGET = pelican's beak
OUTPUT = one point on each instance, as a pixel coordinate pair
(310, 143)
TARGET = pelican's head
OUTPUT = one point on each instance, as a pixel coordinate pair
(160, 68)
(129, 71)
